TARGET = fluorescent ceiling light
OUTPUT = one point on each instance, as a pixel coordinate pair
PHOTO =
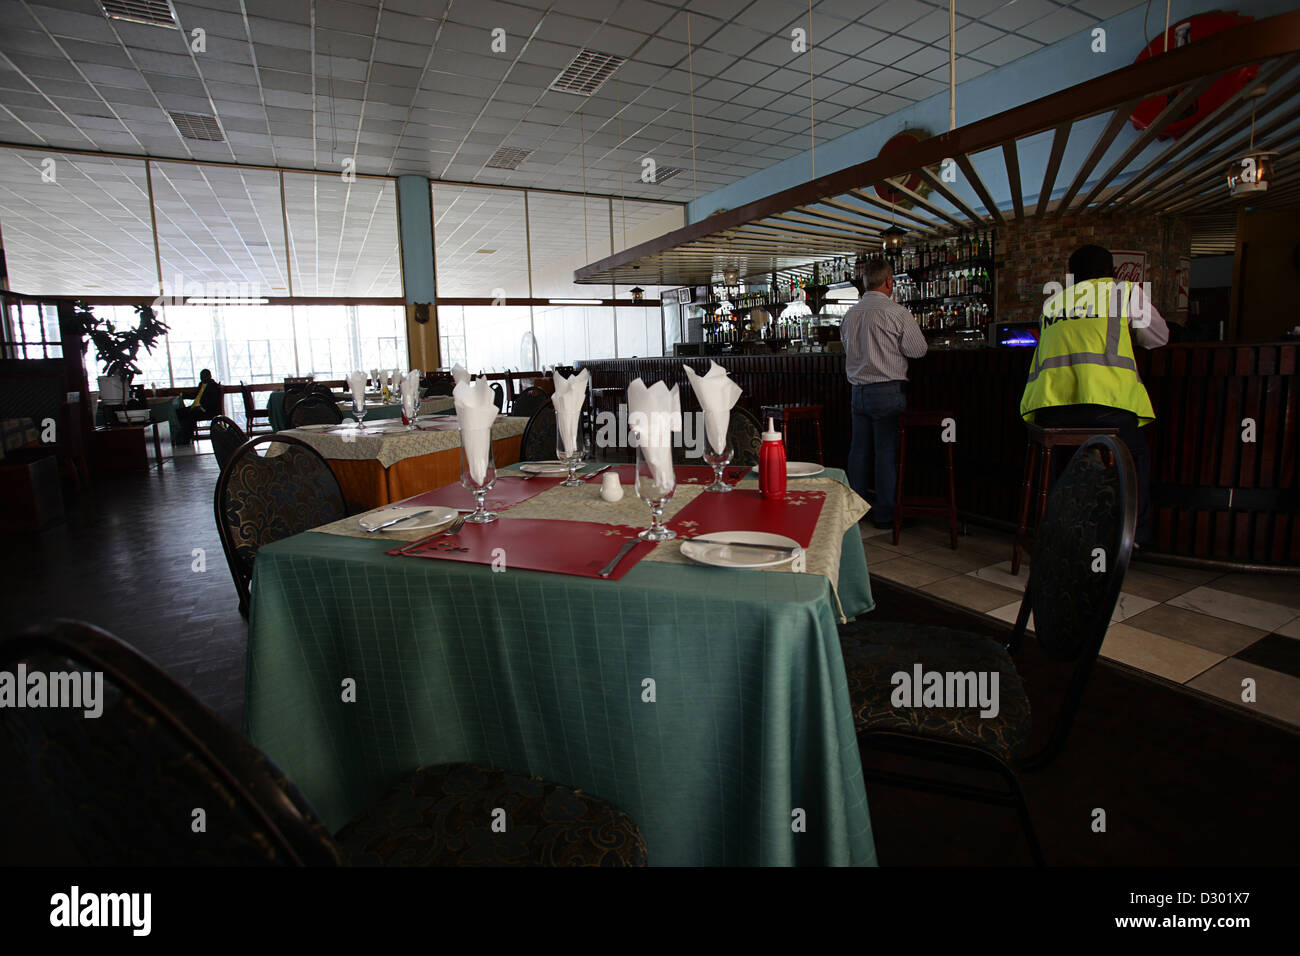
(220, 301)
(575, 301)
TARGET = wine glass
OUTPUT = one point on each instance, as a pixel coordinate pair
(719, 460)
(478, 487)
(571, 458)
(359, 410)
(656, 495)
(410, 409)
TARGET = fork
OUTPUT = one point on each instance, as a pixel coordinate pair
(451, 529)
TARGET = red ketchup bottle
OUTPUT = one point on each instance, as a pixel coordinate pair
(771, 463)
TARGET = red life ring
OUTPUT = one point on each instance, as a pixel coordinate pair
(913, 181)
(1183, 32)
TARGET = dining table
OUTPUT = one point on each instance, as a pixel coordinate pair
(386, 462)
(376, 408)
(708, 702)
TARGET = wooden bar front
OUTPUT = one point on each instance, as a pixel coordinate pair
(1221, 488)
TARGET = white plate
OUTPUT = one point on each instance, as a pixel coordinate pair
(721, 556)
(544, 468)
(800, 469)
(437, 515)
(314, 428)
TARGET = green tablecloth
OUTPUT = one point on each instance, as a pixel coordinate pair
(544, 673)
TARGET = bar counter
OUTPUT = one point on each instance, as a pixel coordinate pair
(1221, 490)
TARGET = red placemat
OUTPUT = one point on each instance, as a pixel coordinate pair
(506, 492)
(744, 509)
(581, 548)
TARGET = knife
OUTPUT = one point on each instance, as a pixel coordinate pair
(593, 474)
(608, 569)
(781, 548)
(389, 524)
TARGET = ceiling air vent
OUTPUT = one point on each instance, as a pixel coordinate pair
(155, 12)
(508, 157)
(587, 73)
(665, 173)
(196, 126)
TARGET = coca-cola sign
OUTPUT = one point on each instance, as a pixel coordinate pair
(1130, 266)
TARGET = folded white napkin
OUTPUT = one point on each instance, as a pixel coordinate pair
(717, 393)
(410, 387)
(654, 413)
(459, 374)
(475, 411)
(569, 395)
(357, 386)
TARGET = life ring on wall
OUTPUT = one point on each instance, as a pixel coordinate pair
(913, 181)
(1183, 32)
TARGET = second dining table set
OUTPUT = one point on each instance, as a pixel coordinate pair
(686, 667)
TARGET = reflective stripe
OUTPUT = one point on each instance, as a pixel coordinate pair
(1110, 358)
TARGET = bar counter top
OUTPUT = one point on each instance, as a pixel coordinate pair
(1223, 446)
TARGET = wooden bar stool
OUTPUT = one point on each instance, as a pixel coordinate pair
(797, 413)
(1039, 453)
(925, 505)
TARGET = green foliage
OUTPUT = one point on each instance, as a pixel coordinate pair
(117, 350)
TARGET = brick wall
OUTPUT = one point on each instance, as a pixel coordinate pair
(1037, 251)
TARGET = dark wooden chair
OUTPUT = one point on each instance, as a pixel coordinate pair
(214, 403)
(528, 401)
(498, 395)
(262, 498)
(1093, 506)
(315, 410)
(226, 437)
(118, 790)
(254, 416)
(538, 440)
(787, 413)
(299, 393)
(907, 505)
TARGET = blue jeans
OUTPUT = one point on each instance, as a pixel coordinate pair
(875, 441)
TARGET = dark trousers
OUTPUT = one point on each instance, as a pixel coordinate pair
(874, 446)
(1103, 416)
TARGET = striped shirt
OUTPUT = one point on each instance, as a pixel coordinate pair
(879, 336)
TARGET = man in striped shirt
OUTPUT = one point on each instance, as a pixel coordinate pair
(879, 336)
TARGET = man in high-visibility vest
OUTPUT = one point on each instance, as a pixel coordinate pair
(1083, 374)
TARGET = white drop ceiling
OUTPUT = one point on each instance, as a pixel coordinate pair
(413, 86)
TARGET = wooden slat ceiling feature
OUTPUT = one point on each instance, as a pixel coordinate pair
(839, 214)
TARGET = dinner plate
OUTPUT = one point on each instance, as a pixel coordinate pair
(800, 469)
(436, 515)
(722, 556)
(544, 468)
(315, 428)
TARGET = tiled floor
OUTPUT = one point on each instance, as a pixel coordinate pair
(1203, 629)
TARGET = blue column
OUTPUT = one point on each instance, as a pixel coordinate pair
(415, 213)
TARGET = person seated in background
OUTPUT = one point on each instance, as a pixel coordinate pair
(203, 405)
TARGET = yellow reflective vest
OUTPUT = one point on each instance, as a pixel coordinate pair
(1085, 352)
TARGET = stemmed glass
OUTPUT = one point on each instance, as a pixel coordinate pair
(571, 458)
(719, 461)
(655, 495)
(410, 409)
(478, 489)
(359, 410)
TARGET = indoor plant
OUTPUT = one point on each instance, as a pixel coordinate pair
(116, 350)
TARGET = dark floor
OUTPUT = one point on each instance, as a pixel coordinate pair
(1184, 780)
(125, 561)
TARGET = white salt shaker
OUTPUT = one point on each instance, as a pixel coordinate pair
(610, 487)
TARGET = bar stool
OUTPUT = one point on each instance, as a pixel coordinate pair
(926, 505)
(797, 413)
(1041, 442)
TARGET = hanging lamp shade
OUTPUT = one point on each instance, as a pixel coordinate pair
(891, 240)
(1251, 173)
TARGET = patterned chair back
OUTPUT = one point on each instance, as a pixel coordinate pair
(746, 436)
(538, 441)
(1081, 554)
(528, 401)
(292, 396)
(315, 410)
(226, 437)
(263, 498)
(118, 789)
(498, 395)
